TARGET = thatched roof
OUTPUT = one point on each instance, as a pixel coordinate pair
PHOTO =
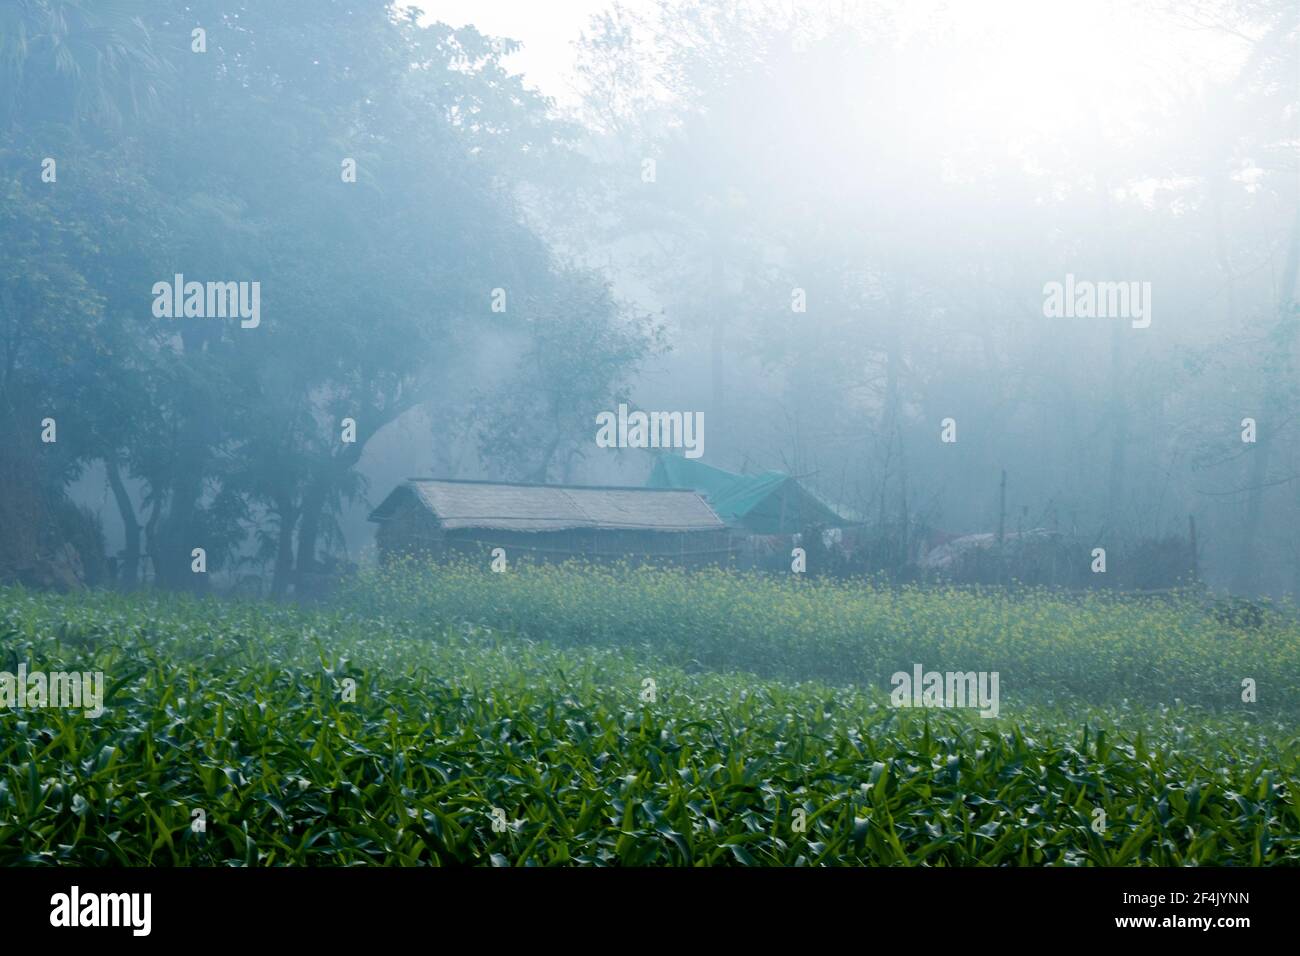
(504, 506)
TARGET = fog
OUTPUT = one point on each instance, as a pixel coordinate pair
(959, 268)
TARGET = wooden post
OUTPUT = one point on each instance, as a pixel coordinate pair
(1191, 531)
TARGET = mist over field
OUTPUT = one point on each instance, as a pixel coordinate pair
(825, 228)
(649, 432)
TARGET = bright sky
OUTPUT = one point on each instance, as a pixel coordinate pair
(1026, 65)
(545, 27)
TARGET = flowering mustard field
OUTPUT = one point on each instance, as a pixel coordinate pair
(1093, 648)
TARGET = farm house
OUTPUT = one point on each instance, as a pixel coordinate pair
(444, 517)
(771, 503)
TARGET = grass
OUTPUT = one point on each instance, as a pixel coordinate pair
(469, 745)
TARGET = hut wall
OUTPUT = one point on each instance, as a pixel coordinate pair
(412, 530)
(591, 544)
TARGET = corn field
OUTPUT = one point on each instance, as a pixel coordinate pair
(419, 720)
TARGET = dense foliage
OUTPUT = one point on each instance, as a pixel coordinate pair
(362, 170)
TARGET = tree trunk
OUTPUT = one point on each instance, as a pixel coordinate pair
(331, 473)
(1272, 403)
(151, 533)
(177, 535)
(288, 517)
(313, 505)
(129, 576)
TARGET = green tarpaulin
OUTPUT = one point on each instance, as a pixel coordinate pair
(767, 503)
